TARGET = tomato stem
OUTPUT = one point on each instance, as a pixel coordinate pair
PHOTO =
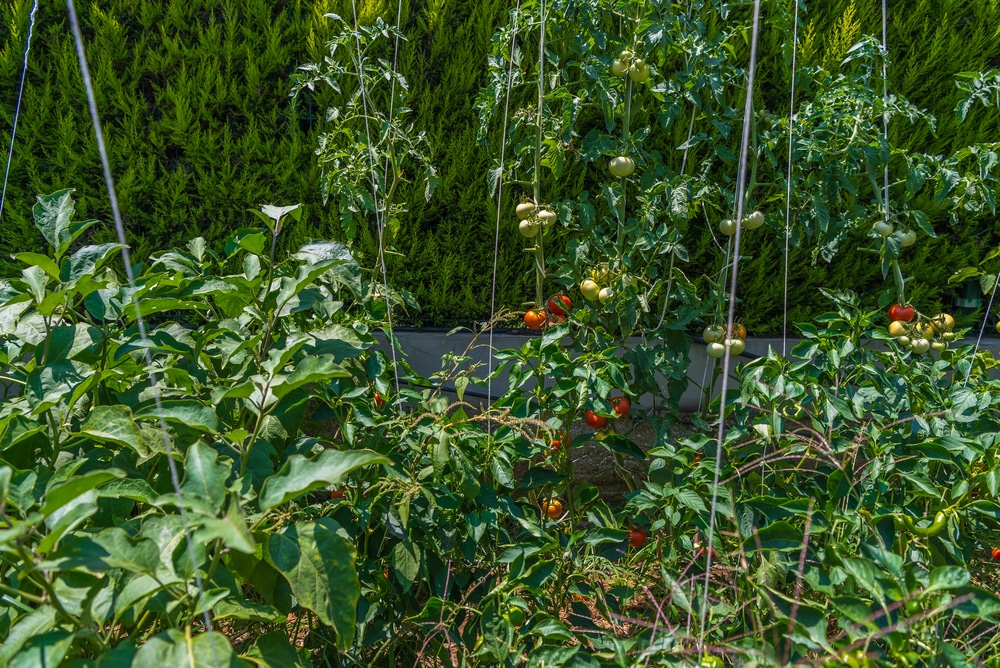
(897, 274)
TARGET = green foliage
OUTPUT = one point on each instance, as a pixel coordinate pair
(101, 553)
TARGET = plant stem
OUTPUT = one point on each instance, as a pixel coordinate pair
(897, 275)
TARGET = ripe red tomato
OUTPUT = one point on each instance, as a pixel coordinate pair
(739, 330)
(697, 458)
(637, 538)
(554, 509)
(559, 304)
(535, 318)
(554, 320)
(621, 405)
(996, 553)
(379, 401)
(901, 312)
(338, 493)
(593, 420)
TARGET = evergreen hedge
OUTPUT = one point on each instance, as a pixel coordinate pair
(194, 100)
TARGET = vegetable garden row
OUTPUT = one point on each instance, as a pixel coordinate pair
(207, 460)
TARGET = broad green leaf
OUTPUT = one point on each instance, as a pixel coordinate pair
(276, 213)
(36, 280)
(47, 649)
(249, 611)
(780, 536)
(114, 424)
(50, 384)
(231, 530)
(136, 555)
(18, 428)
(205, 478)
(301, 474)
(66, 518)
(272, 650)
(63, 493)
(68, 341)
(309, 370)
(53, 216)
(177, 649)
(948, 577)
(44, 262)
(31, 625)
(86, 261)
(317, 559)
(186, 412)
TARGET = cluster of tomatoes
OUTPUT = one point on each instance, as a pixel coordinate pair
(751, 222)
(533, 219)
(717, 341)
(591, 288)
(885, 229)
(554, 313)
(627, 63)
(917, 333)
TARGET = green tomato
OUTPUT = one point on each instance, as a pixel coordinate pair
(715, 350)
(619, 67)
(883, 228)
(590, 289)
(728, 227)
(621, 166)
(639, 71)
(754, 220)
(605, 294)
(528, 228)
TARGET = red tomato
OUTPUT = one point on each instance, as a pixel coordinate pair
(559, 304)
(901, 312)
(622, 406)
(554, 320)
(996, 553)
(593, 420)
(338, 493)
(379, 401)
(637, 538)
(740, 330)
(535, 318)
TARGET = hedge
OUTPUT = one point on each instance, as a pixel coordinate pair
(195, 105)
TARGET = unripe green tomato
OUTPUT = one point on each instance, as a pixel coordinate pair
(736, 346)
(939, 345)
(728, 227)
(528, 228)
(621, 166)
(714, 334)
(921, 346)
(524, 209)
(903, 341)
(883, 228)
(948, 336)
(619, 67)
(626, 56)
(907, 238)
(590, 289)
(639, 71)
(715, 350)
(754, 220)
(605, 294)
(547, 217)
